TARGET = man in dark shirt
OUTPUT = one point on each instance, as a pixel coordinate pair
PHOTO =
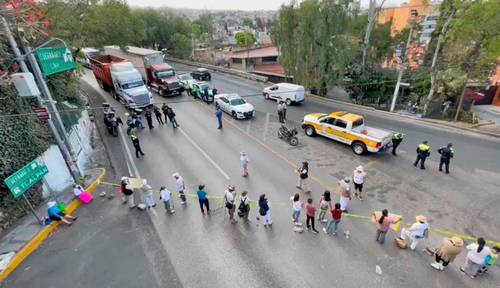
(446, 154)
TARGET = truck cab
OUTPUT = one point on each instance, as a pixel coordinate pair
(129, 87)
(347, 128)
(162, 78)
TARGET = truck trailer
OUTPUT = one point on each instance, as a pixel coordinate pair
(159, 76)
(121, 79)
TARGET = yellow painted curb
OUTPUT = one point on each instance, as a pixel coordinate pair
(34, 243)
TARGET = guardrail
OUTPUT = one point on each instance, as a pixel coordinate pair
(220, 69)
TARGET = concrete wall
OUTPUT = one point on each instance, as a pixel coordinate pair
(58, 179)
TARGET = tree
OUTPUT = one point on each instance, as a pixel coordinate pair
(181, 45)
(245, 39)
(248, 22)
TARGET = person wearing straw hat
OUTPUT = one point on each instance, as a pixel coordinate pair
(244, 163)
(229, 197)
(447, 252)
(344, 189)
(417, 232)
(358, 178)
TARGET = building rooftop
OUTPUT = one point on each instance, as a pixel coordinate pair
(256, 53)
(271, 69)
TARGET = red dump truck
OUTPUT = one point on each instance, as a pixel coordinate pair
(124, 82)
(159, 76)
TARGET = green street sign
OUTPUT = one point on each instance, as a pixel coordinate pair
(55, 60)
(25, 178)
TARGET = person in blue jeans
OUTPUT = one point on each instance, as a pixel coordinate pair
(218, 113)
(203, 199)
(333, 225)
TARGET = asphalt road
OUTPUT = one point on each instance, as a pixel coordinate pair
(196, 250)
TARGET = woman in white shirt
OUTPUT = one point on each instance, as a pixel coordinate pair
(358, 178)
(244, 163)
(475, 258)
(417, 232)
(297, 207)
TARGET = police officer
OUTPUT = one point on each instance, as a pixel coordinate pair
(423, 151)
(149, 118)
(446, 154)
(397, 138)
(137, 146)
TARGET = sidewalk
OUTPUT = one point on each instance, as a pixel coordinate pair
(23, 238)
(491, 114)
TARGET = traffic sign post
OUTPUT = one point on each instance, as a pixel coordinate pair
(55, 60)
(25, 178)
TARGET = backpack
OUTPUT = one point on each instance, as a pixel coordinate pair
(243, 208)
(324, 205)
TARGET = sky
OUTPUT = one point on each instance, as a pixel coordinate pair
(225, 4)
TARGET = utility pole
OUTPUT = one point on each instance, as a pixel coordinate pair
(40, 101)
(373, 12)
(51, 103)
(403, 66)
(434, 60)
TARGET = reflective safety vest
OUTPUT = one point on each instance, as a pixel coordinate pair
(424, 147)
(398, 136)
(133, 137)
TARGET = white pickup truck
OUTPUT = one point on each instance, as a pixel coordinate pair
(347, 128)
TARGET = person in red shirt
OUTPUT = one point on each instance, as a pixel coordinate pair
(333, 224)
(311, 213)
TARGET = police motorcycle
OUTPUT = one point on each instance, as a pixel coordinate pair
(111, 120)
(288, 135)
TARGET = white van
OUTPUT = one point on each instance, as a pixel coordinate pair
(290, 93)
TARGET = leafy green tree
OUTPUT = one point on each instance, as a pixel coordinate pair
(181, 45)
(248, 22)
(245, 39)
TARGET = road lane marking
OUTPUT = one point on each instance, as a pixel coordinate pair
(129, 157)
(204, 154)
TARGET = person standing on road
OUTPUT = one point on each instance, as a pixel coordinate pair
(303, 174)
(149, 118)
(148, 196)
(158, 115)
(280, 112)
(397, 138)
(244, 208)
(164, 109)
(203, 199)
(165, 196)
(417, 232)
(128, 191)
(475, 258)
(383, 224)
(265, 210)
(490, 260)
(137, 145)
(218, 114)
(447, 252)
(344, 190)
(244, 163)
(171, 116)
(333, 224)
(179, 183)
(297, 207)
(358, 178)
(325, 204)
(423, 151)
(446, 154)
(310, 213)
(229, 196)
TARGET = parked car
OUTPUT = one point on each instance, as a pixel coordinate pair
(234, 105)
(348, 128)
(290, 93)
(202, 90)
(201, 74)
(186, 80)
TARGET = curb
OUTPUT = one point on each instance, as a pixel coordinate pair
(34, 243)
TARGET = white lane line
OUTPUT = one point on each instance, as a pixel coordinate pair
(129, 157)
(204, 154)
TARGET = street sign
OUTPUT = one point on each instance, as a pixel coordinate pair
(55, 60)
(42, 113)
(25, 178)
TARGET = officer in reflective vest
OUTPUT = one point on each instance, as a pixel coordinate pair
(397, 138)
(423, 151)
(137, 146)
(446, 154)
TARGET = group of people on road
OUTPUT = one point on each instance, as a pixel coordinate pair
(135, 122)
